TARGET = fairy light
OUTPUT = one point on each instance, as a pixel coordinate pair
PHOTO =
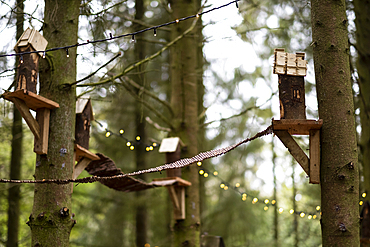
(67, 52)
(222, 185)
(314, 216)
(44, 54)
(205, 175)
(309, 217)
(177, 21)
(273, 202)
(215, 173)
(318, 208)
(291, 211)
(154, 144)
(201, 172)
(199, 163)
(265, 208)
(255, 200)
(237, 185)
(244, 197)
(138, 138)
(226, 187)
(155, 32)
(151, 148)
(266, 201)
(133, 38)
(361, 203)
(107, 134)
(302, 215)
(128, 144)
(197, 15)
(21, 59)
(132, 147)
(281, 210)
(147, 149)
(121, 131)
(363, 195)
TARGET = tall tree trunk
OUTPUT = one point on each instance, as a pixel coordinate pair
(141, 208)
(295, 215)
(16, 155)
(184, 100)
(362, 22)
(339, 172)
(51, 220)
(276, 215)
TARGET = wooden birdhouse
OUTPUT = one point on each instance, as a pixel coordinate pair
(291, 70)
(174, 183)
(25, 97)
(84, 116)
(31, 40)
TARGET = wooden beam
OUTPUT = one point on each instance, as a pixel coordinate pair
(80, 166)
(173, 196)
(82, 152)
(297, 126)
(32, 100)
(294, 149)
(41, 144)
(30, 120)
(314, 156)
(171, 181)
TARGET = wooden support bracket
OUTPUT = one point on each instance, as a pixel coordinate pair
(83, 158)
(176, 189)
(24, 101)
(286, 127)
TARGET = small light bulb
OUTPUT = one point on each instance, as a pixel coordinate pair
(154, 144)
(147, 149)
(205, 175)
(281, 210)
(138, 138)
(132, 147)
(128, 144)
(291, 211)
(363, 195)
(197, 15)
(199, 163)
(201, 172)
(21, 59)
(222, 185)
(67, 52)
(44, 54)
(273, 202)
(177, 21)
(314, 217)
(361, 202)
(107, 134)
(155, 32)
(133, 38)
(317, 208)
(226, 187)
(255, 200)
(302, 214)
(266, 201)
(237, 185)
(121, 131)
(244, 198)
(151, 148)
(309, 217)
(265, 208)
(215, 173)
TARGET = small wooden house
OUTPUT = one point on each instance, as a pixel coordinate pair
(84, 116)
(31, 40)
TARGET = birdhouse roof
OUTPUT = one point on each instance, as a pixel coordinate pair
(81, 105)
(32, 37)
(169, 145)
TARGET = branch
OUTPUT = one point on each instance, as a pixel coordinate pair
(157, 126)
(142, 23)
(131, 67)
(158, 114)
(150, 94)
(93, 73)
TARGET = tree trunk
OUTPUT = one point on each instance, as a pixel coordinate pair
(362, 21)
(51, 219)
(16, 155)
(141, 208)
(184, 100)
(339, 171)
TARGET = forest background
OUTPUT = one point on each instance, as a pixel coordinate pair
(240, 99)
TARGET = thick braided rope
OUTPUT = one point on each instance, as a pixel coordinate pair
(177, 164)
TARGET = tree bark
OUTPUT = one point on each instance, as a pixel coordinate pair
(51, 219)
(339, 171)
(184, 101)
(141, 208)
(14, 196)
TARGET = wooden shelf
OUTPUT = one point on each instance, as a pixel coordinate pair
(32, 100)
(297, 126)
(168, 181)
(84, 153)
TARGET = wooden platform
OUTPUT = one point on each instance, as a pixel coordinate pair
(84, 153)
(32, 100)
(297, 126)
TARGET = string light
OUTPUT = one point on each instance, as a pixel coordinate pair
(318, 208)
(121, 131)
(125, 35)
(265, 208)
(199, 163)
(291, 211)
(138, 138)
(222, 185)
(281, 210)
(107, 134)
(133, 38)
(266, 201)
(128, 144)
(309, 217)
(44, 54)
(226, 187)
(302, 215)
(67, 52)
(132, 147)
(361, 202)
(363, 195)
(201, 172)
(255, 200)
(155, 32)
(273, 202)
(215, 173)
(237, 185)
(21, 59)
(205, 175)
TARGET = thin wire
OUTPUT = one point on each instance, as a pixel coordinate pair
(123, 35)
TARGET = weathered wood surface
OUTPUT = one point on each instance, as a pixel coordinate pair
(292, 97)
(32, 100)
(297, 126)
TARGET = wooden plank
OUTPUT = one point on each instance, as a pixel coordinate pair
(82, 152)
(294, 149)
(314, 156)
(181, 195)
(297, 126)
(173, 180)
(80, 166)
(32, 100)
(31, 122)
(41, 144)
(173, 196)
